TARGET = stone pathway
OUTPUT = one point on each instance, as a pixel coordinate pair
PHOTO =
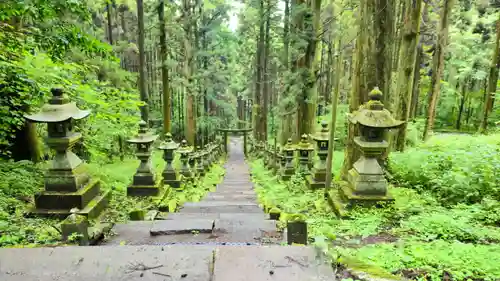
(230, 215)
(226, 236)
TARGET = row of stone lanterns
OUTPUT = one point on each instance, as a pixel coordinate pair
(68, 189)
(366, 182)
(194, 164)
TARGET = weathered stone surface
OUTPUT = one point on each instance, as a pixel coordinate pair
(269, 263)
(171, 227)
(223, 209)
(186, 216)
(122, 263)
(234, 229)
(204, 204)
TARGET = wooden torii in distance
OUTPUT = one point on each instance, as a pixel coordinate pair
(236, 131)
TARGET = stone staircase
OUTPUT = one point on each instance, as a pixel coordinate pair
(226, 236)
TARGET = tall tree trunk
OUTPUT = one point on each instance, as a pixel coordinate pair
(492, 82)
(438, 66)
(257, 109)
(407, 58)
(188, 61)
(461, 107)
(309, 25)
(266, 74)
(142, 62)
(415, 93)
(110, 22)
(167, 126)
(286, 129)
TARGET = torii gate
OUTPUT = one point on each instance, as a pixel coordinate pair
(234, 131)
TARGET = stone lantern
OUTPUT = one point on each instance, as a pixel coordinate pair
(289, 169)
(318, 174)
(366, 181)
(185, 150)
(144, 183)
(199, 162)
(305, 148)
(67, 185)
(170, 175)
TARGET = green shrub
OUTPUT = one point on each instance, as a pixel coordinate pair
(458, 169)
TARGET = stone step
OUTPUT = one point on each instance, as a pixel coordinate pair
(230, 197)
(223, 209)
(169, 262)
(219, 204)
(213, 216)
(173, 227)
(229, 191)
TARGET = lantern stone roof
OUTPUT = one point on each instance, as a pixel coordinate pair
(304, 144)
(373, 114)
(323, 134)
(58, 109)
(169, 144)
(185, 148)
(144, 136)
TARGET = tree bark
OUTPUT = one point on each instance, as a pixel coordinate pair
(492, 82)
(110, 23)
(438, 66)
(167, 125)
(142, 62)
(407, 58)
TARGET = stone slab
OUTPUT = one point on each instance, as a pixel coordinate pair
(276, 263)
(241, 229)
(230, 197)
(213, 216)
(171, 227)
(223, 209)
(137, 233)
(107, 263)
(202, 204)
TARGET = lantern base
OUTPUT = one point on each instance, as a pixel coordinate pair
(287, 173)
(172, 183)
(343, 199)
(313, 183)
(92, 209)
(144, 190)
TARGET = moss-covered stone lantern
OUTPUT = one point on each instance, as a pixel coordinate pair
(67, 185)
(318, 174)
(185, 150)
(289, 169)
(170, 175)
(366, 181)
(305, 148)
(144, 182)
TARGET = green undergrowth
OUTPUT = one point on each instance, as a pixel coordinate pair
(456, 168)
(21, 180)
(418, 236)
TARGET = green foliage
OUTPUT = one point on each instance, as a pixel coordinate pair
(20, 180)
(433, 260)
(455, 168)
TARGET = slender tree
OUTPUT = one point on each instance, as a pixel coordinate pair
(167, 126)
(492, 81)
(438, 66)
(142, 61)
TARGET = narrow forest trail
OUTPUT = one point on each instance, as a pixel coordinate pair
(225, 236)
